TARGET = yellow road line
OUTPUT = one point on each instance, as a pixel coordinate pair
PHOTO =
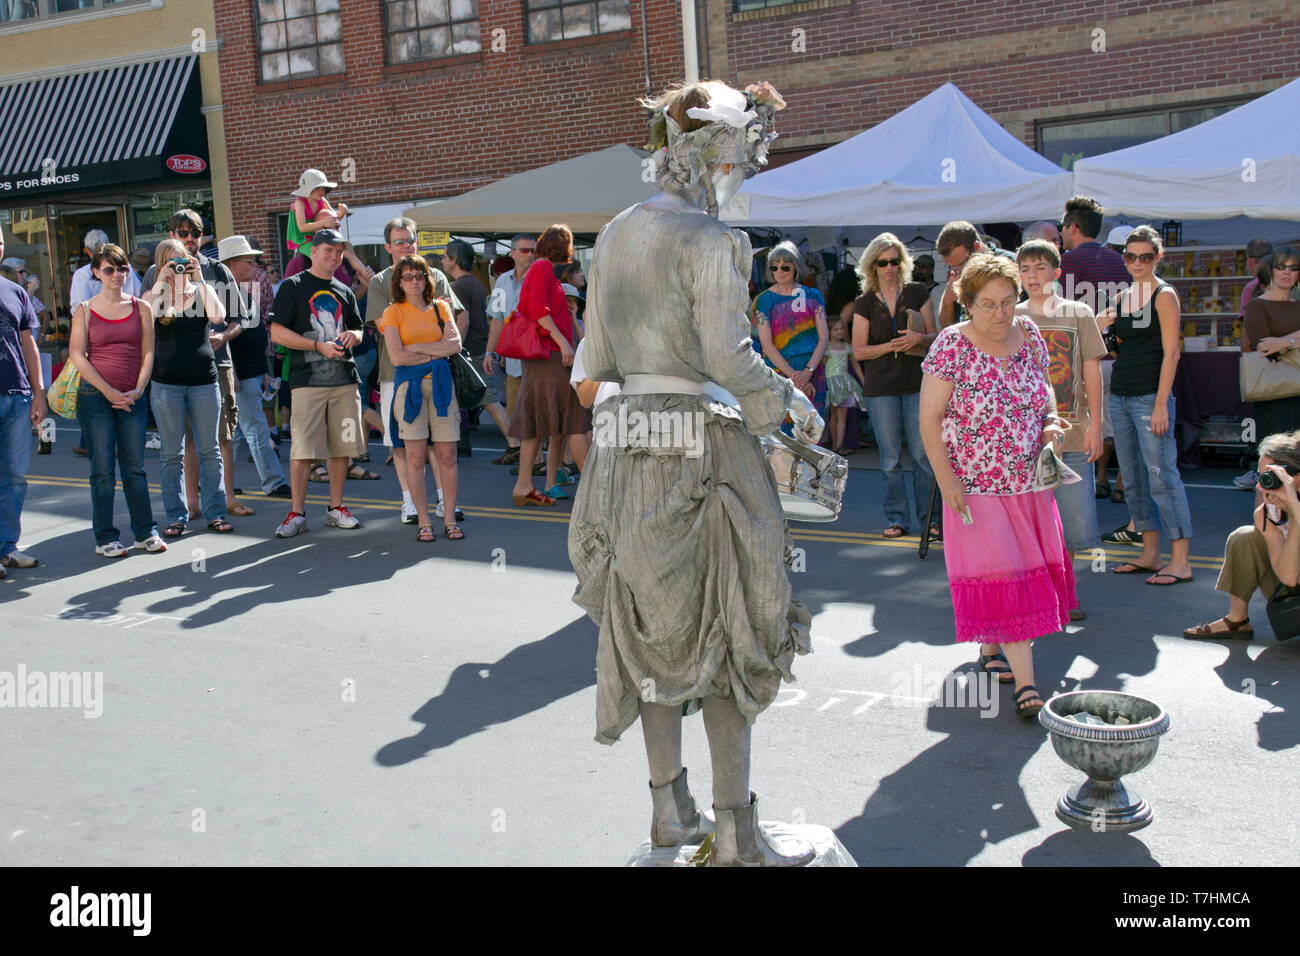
(825, 535)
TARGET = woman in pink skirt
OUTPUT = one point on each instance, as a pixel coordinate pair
(986, 411)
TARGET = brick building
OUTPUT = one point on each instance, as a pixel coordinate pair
(403, 100)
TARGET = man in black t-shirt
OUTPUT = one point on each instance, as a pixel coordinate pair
(316, 318)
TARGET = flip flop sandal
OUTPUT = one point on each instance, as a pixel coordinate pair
(220, 526)
(1027, 708)
(241, 510)
(425, 533)
(1173, 579)
(997, 665)
(936, 533)
(174, 530)
(356, 471)
(1134, 568)
(894, 531)
(1236, 629)
(454, 533)
(363, 458)
(318, 473)
(1103, 491)
(1117, 496)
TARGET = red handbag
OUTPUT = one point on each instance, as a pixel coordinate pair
(522, 338)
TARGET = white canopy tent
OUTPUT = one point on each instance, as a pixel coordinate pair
(584, 192)
(1245, 162)
(942, 157)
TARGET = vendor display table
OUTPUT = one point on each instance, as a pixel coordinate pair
(1207, 385)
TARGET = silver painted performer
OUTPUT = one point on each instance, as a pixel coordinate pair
(677, 536)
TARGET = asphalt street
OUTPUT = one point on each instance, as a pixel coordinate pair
(358, 697)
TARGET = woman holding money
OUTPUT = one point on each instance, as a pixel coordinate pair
(986, 412)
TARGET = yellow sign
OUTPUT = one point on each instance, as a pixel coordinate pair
(433, 242)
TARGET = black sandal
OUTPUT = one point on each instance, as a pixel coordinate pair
(996, 664)
(174, 530)
(1028, 708)
(220, 526)
(356, 471)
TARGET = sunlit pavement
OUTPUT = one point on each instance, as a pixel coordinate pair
(363, 698)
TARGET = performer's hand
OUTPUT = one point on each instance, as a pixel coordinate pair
(808, 425)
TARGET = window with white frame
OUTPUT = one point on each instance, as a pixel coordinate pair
(299, 38)
(428, 29)
(550, 20)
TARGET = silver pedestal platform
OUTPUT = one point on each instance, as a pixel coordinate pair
(830, 851)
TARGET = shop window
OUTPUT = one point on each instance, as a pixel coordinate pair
(565, 19)
(1067, 142)
(299, 38)
(15, 11)
(744, 5)
(428, 29)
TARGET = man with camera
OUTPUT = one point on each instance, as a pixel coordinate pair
(186, 227)
(1262, 555)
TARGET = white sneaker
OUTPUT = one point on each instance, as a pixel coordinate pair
(340, 517)
(408, 512)
(153, 441)
(113, 549)
(292, 525)
(1247, 481)
(439, 510)
(18, 559)
(153, 544)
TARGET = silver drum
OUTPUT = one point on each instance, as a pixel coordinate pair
(809, 479)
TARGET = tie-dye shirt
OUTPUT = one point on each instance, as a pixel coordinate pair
(792, 320)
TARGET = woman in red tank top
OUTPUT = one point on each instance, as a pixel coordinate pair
(112, 347)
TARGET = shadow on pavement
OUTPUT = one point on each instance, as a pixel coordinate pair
(1270, 677)
(1083, 848)
(480, 695)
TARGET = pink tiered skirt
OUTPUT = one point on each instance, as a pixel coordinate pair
(1010, 577)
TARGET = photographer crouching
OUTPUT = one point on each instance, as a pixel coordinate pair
(1262, 555)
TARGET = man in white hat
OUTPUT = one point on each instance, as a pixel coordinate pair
(249, 353)
(1117, 237)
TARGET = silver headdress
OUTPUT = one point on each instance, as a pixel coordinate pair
(739, 131)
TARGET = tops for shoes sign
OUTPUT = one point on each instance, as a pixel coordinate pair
(50, 178)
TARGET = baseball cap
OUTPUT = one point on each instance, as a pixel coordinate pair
(1119, 235)
(328, 237)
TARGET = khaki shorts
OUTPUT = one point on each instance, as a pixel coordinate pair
(512, 392)
(229, 408)
(428, 425)
(326, 423)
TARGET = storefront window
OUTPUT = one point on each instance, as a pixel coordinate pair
(1066, 143)
(25, 235)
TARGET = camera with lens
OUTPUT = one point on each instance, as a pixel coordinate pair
(181, 265)
(1269, 480)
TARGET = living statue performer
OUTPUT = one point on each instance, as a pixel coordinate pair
(677, 536)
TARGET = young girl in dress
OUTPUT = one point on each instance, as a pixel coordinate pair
(842, 389)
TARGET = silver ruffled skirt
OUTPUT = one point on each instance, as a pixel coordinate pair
(682, 561)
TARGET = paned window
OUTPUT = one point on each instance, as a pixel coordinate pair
(428, 29)
(1065, 143)
(299, 38)
(565, 19)
(16, 11)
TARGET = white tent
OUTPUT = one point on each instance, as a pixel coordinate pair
(1245, 162)
(584, 192)
(939, 159)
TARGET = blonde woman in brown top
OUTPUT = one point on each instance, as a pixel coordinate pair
(1272, 326)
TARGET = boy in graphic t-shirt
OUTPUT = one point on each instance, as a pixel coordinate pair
(1075, 348)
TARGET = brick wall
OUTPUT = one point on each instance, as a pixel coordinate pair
(1019, 60)
(436, 128)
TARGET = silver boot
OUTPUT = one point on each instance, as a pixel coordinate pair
(676, 821)
(740, 842)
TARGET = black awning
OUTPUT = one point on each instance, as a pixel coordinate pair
(116, 125)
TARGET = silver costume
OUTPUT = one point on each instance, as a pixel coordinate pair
(681, 553)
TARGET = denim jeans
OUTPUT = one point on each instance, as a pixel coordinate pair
(892, 417)
(253, 428)
(172, 404)
(15, 456)
(115, 439)
(365, 365)
(1077, 504)
(1152, 486)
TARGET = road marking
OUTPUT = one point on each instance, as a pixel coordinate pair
(825, 535)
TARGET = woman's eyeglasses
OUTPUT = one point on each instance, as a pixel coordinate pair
(1288, 267)
(413, 277)
(1146, 258)
(886, 263)
(783, 267)
(112, 270)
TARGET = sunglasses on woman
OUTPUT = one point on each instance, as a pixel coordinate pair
(783, 267)
(112, 270)
(1146, 258)
(413, 276)
(886, 263)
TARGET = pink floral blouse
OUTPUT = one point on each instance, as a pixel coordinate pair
(994, 421)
